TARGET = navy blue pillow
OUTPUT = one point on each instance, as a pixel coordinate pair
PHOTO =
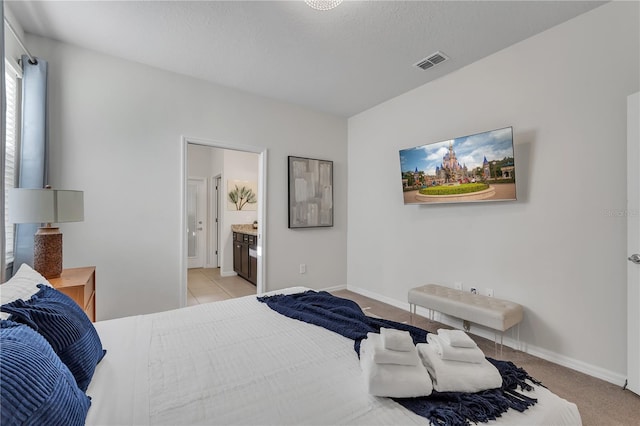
(36, 387)
(65, 326)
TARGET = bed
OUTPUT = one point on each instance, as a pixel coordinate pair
(239, 362)
(230, 363)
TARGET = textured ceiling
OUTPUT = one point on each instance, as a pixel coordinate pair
(341, 61)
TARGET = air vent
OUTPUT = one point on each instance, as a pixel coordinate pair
(431, 60)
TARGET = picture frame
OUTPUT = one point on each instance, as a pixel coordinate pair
(242, 195)
(310, 192)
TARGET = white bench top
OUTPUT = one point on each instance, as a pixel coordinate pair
(484, 310)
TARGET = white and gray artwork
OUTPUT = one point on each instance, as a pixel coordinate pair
(310, 193)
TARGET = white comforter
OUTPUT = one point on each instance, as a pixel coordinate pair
(239, 362)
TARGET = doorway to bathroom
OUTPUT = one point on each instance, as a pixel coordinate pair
(223, 186)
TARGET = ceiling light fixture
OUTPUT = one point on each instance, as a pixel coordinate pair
(322, 4)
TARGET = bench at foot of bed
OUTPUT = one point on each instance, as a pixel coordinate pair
(498, 314)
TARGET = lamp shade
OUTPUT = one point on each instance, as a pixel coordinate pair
(45, 205)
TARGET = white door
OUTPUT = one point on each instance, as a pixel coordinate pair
(196, 222)
(633, 243)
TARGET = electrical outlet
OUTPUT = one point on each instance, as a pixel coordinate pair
(457, 285)
(473, 290)
(303, 268)
(489, 292)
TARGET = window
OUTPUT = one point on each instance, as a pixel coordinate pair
(12, 84)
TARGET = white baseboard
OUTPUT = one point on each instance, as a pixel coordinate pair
(335, 288)
(224, 273)
(556, 358)
(575, 364)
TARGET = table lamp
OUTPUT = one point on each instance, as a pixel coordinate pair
(46, 206)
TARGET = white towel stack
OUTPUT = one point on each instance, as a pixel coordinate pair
(393, 372)
(396, 340)
(456, 338)
(457, 364)
(448, 351)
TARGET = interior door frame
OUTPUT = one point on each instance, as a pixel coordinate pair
(203, 238)
(261, 213)
(633, 231)
(216, 182)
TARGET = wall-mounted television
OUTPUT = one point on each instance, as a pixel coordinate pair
(467, 169)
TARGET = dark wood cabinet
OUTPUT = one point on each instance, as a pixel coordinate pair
(245, 262)
(253, 269)
(237, 254)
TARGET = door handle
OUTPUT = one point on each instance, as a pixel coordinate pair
(635, 258)
(200, 229)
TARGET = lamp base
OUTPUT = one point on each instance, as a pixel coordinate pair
(47, 252)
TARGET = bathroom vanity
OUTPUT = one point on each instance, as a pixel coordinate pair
(245, 260)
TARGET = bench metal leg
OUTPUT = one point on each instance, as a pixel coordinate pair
(495, 342)
(413, 309)
(517, 335)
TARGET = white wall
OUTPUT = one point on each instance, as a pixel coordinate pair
(200, 160)
(560, 249)
(12, 49)
(115, 133)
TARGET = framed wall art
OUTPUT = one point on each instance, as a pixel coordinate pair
(242, 195)
(310, 193)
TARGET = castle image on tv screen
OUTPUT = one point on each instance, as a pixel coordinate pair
(472, 168)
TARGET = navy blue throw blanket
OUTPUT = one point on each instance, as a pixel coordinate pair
(345, 317)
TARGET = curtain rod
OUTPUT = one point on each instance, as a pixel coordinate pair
(32, 59)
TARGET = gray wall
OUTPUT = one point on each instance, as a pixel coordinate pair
(558, 250)
(115, 132)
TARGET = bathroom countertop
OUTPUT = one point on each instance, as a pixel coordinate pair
(245, 229)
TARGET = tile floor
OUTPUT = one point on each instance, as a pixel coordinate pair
(206, 285)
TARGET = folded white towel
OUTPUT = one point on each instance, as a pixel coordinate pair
(456, 338)
(396, 340)
(449, 353)
(395, 381)
(387, 356)
(454, 376)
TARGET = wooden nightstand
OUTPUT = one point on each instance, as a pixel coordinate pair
(80, 285)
